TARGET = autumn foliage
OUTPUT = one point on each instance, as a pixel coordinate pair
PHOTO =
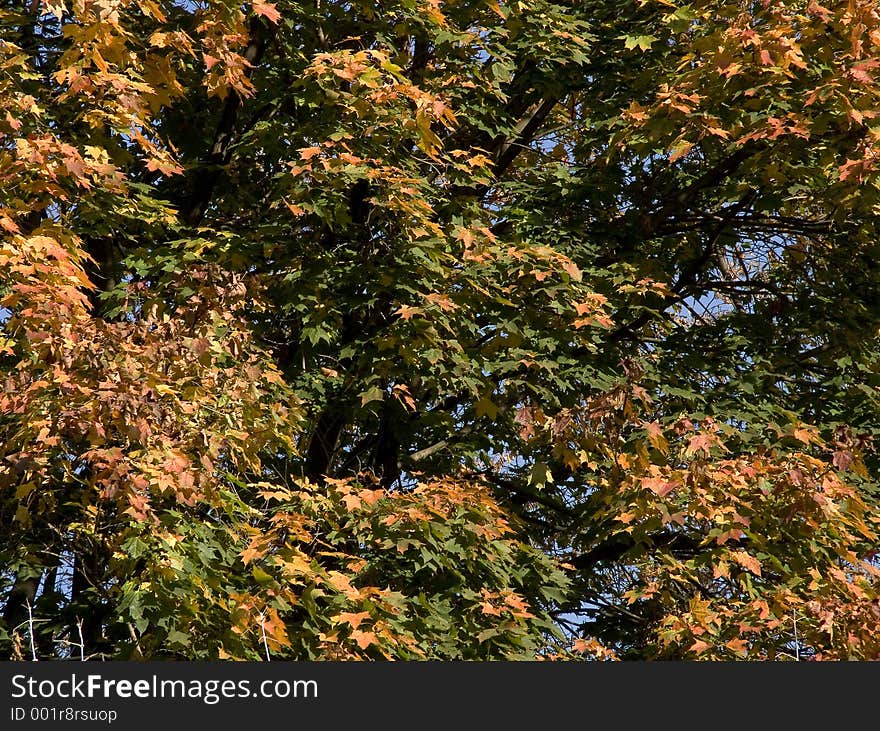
(439, 329)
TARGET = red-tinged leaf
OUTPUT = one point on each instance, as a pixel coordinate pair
(583, 308)
(854, 169)
(404, 396)
(466, 236)
(138, 507)
(699, 647)
(842, 459)
(750, 563)
(267, 10)
(702, 441)
(658, 485)
(733, 534)
(862, 71)
(13, 122)
(166, 167)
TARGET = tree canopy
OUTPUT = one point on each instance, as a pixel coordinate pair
(439, 329)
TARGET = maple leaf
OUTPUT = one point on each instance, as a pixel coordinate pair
(406, 312)
(750, 563)
(351, 502)
(805, 434)
(364, 639)
(402, 393)
(267, 10)
(371, 497)
(862, 71)
(138, 507)
(275, 629)
(8, 224)
(342, 583)
(355, 619)
(842, 459)
(228, 354)
(307, 153)
(658, 485)
(702, 441)
(250, 553)
(593, 647)
(572, 269)
(656, 437)
(583, 308)
(679, 151)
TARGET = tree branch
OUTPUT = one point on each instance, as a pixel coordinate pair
(209, 172)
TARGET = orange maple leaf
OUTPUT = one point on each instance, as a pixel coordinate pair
(353, 618)
(307, 153)
(364, 639)
(749, 563)
(267, 10)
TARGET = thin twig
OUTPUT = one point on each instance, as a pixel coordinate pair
(265, 641)
(82, 642)
(31, 630)
(134, 636)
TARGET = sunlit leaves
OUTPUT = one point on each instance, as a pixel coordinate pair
(326, 332)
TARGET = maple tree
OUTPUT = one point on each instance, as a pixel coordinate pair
(439, 329)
